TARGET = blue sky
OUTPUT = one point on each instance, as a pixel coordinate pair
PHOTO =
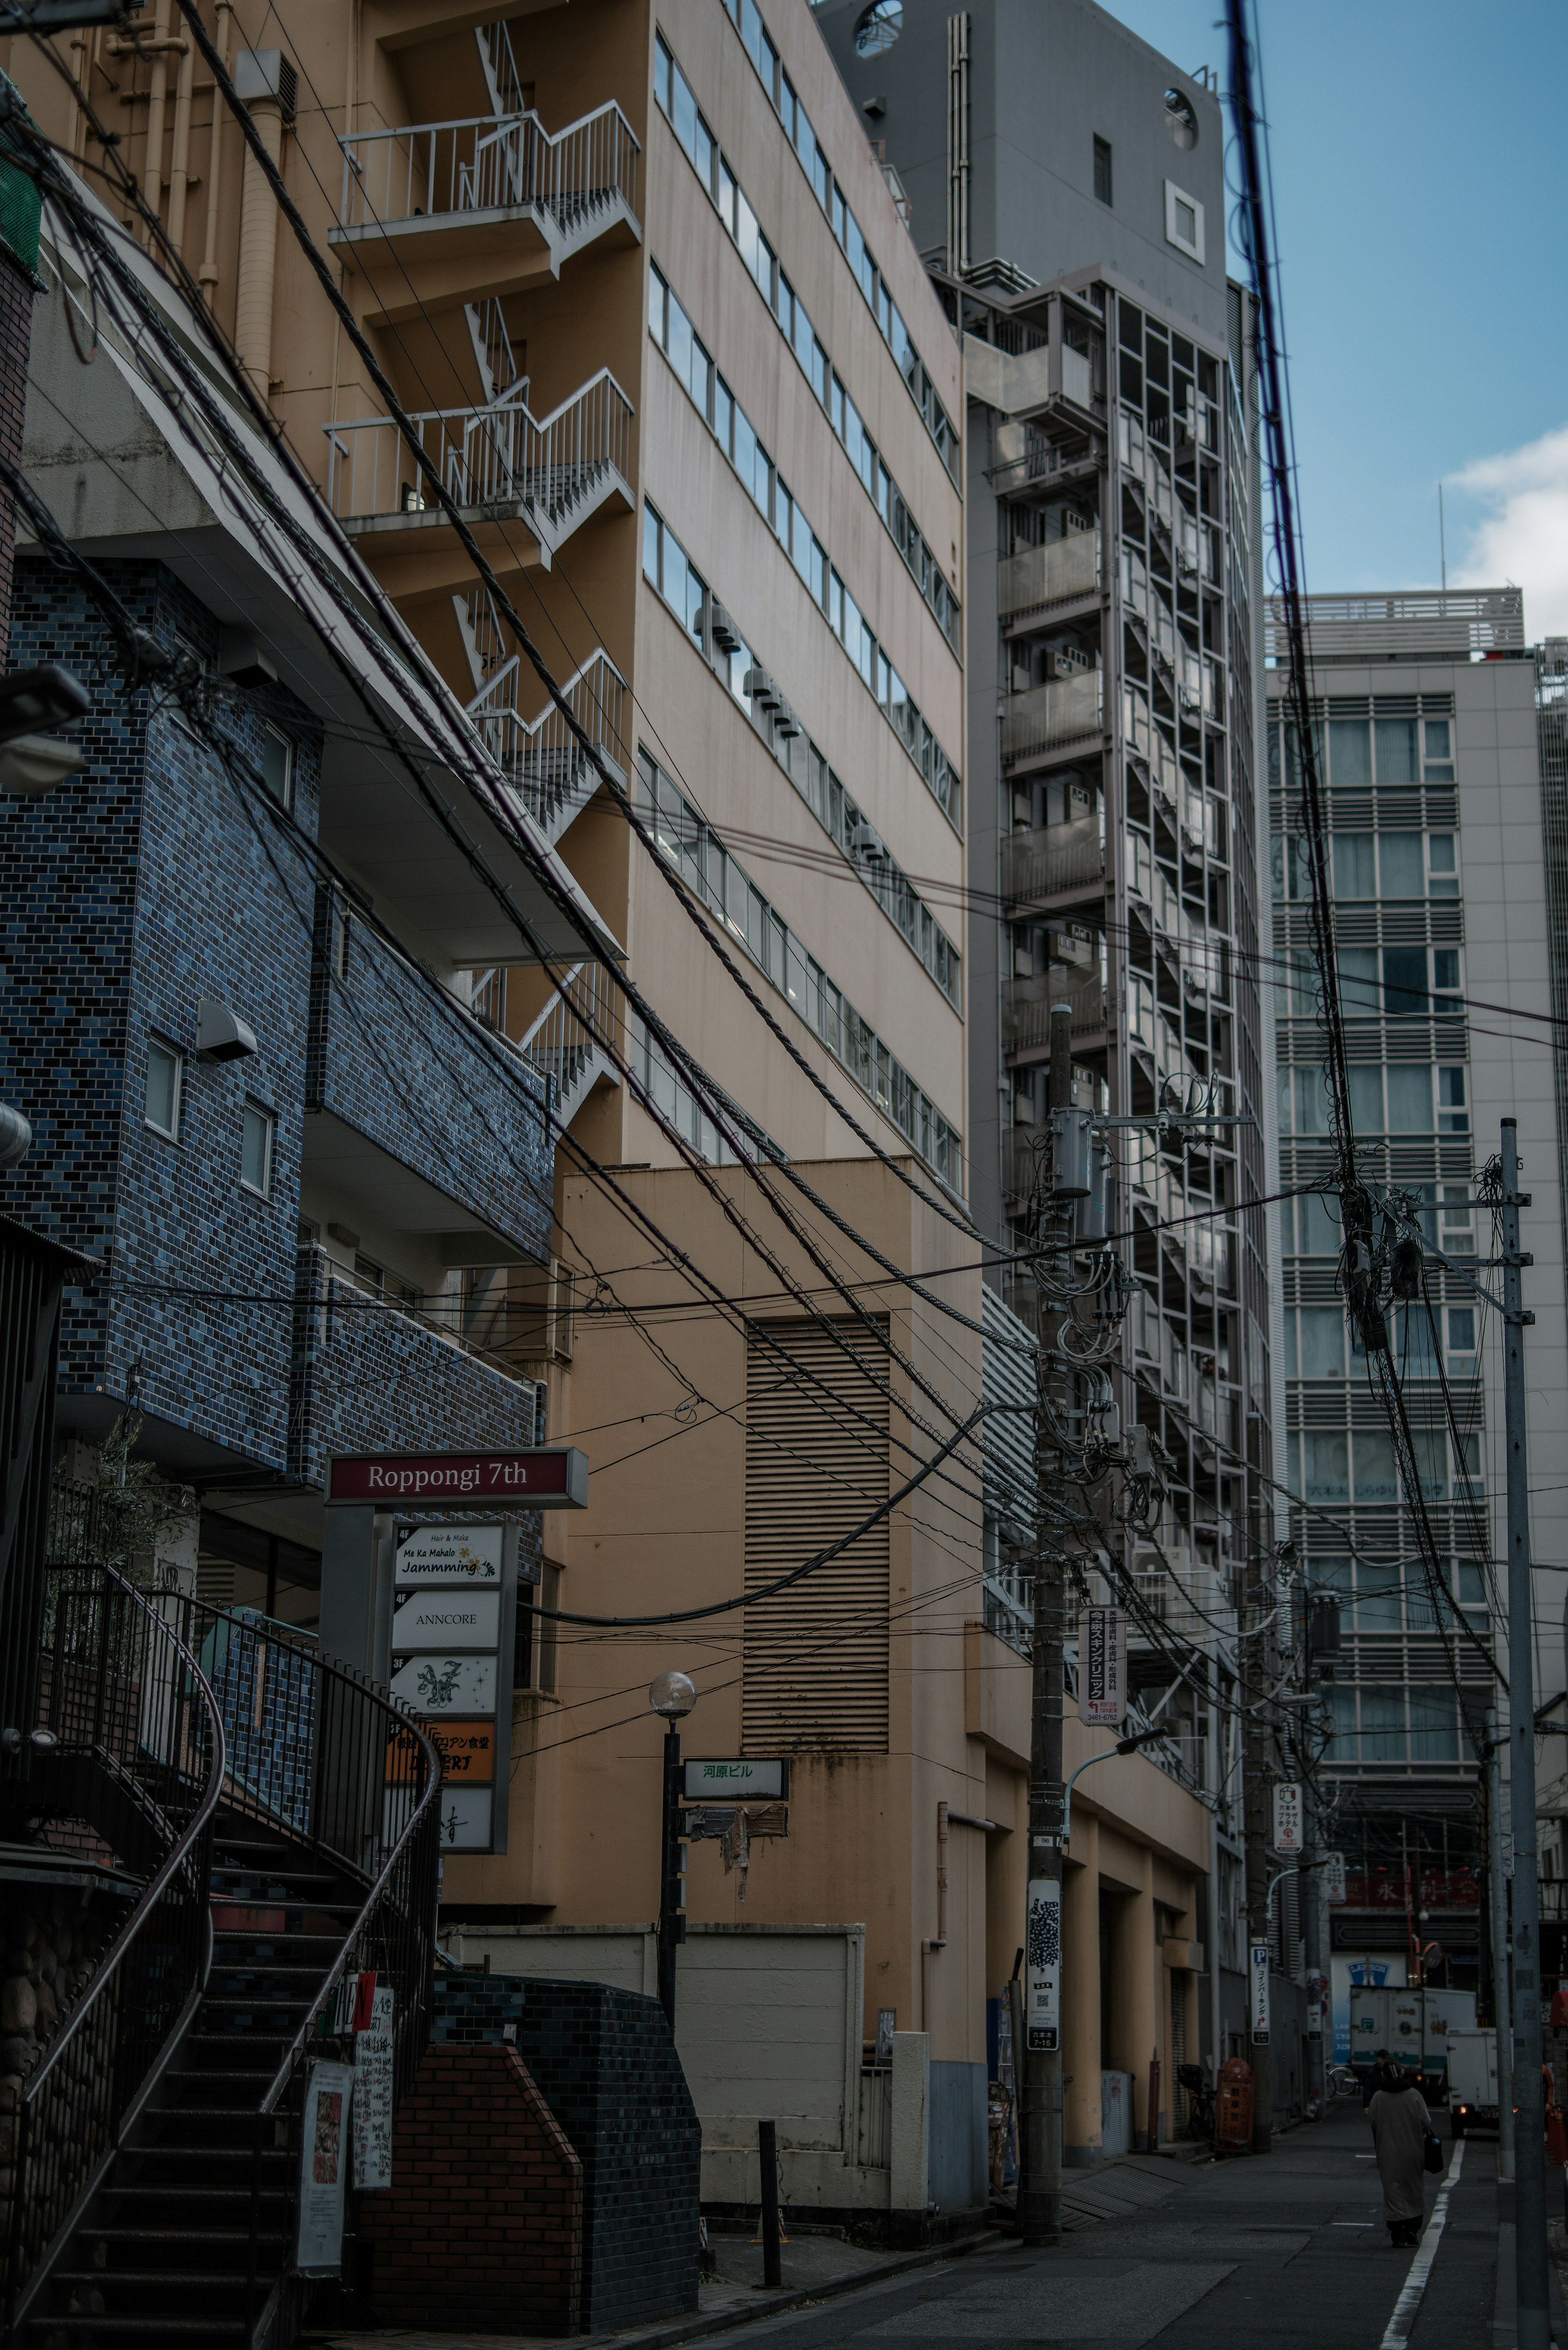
(1417, 154)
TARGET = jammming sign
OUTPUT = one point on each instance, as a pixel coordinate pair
(1102, 1666)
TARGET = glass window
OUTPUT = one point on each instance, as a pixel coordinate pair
(1376, 1599)
(1453, 1116)
(1359, 995)
(1327, 1467)
(1383, 1721)
(1349, 754)
(277, 765)
(1366, 1099)
(661, 63)
(1375, 1478)
(1321, 1342)
(1446, 976)
(1416, 1358)
(1461, 1329)
(1395, 750)
(1400, 863)
(1410, 1099)
(1441, 865)
(1433, 1725)
(1439, 739)
(1405, 993)
(165, 1073)
(1318, 1225)
(651, 546)
(1103, 170)
(1311, 1102)
(255, 1150)
(1354, 866)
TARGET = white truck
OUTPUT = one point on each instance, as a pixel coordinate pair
(1472, 2081)
(1416, 2026)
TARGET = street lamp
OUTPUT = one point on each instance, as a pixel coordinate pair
(673, 1695)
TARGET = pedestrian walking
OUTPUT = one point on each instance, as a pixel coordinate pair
(1381, 2075)
(1400, 2124)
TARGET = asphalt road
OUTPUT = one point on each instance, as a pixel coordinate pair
(1287, 2249)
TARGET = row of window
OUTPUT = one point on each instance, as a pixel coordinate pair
(1310, 1226)
(798, 332)
(1392, 984)
(1407, 1723)
(1359, 1466)
(711, 874)
(727, 421)
(667, 568)
(747, 20)
(1386, 1097)
(1317, 1349)
(1355, 753)
(1363, 865)
(165, 1106)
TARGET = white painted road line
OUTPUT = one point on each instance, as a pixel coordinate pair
(1399, 2328)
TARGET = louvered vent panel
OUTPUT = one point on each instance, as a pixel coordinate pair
(816, 1658)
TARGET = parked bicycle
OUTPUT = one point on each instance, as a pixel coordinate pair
(1199, 2103)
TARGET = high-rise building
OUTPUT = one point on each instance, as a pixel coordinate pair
(1443, 843)
(1066, 190)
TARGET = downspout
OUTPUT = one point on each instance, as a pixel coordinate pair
(258, 249)
(180, 159)
(209, 273)
(157, 98)
(938, 1940)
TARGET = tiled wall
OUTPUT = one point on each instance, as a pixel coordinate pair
(605, 2063)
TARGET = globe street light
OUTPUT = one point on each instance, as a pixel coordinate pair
(673, 1695)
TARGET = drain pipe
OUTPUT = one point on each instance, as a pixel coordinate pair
(258, 79)
(938, 1940)
(209, 272)
(180, 156)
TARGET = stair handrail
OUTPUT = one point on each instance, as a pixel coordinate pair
(432, 171)
(366, 1750)
(90, 2076)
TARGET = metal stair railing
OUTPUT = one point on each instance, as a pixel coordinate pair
(138, 1752)
(350, 1777)
(542, 756)
(480, 164)
(498, 455)
(565, 1041)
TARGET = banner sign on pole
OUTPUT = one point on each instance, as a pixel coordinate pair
(1334, 1878)
(323, 2161)
(373, 2096)
(1289, 1831)
(1043, 1964)
(1258, 1990)
(1102, 1666)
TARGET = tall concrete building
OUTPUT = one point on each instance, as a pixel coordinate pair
(1066, 190)
(1443, 843)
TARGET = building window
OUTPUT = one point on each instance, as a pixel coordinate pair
(878, 27)
(165, 1078)
(1183, 222)
(277, 765)
(255, 1150)
(1103, 170)
(1180, 118)
(1453, 1114)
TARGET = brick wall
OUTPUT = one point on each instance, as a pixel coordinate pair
(483, 2226)
(605, 2063)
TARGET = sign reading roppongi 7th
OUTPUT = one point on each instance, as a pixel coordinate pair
(552, 1477)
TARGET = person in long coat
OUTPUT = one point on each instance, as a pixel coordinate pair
(1399, 2126)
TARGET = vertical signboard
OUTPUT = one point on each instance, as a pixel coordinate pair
(454, 1613)
(373, 2096)
(1043, 1964)
(1102, 1666)
(1290, 1833)
(1258, 1991)
(1333, 1878)
(324, 2163)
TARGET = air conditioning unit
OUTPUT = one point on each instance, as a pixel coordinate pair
(726, 636)
(866, 841)
(1070, 943)
(785, 722)
(760, 689)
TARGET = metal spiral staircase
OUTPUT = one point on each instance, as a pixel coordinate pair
(281, 1817)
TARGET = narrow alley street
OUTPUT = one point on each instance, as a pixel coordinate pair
(1290, 2249)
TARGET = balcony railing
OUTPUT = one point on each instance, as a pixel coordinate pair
(1049, 575)
(1048, 714)
(494, 456)
(541, 755)
(388, 1292)
(1057, 857)
(567, 1040)
(1026, 1007)
(434, 169)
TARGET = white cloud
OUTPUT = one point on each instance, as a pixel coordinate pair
(1522, 531)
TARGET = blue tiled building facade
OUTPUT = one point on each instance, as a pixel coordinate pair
(166, 873)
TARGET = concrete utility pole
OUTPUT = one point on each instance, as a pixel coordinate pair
(1532, 2302)
(1310, 1879)
(1255, 1812)
(1496, 1906)
(1040, 2188)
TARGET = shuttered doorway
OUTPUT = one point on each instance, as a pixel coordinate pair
(816, 1658)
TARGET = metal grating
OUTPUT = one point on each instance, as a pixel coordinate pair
(1421, 624)
(814, 1658)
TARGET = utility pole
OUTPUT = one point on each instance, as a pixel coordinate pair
(1532, 2303)
(1040, 2188)
(671, 1695)
(1311, 1881)
(1497, 1904)
(1255, 1810)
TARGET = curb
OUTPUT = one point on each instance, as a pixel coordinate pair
(778, 2305)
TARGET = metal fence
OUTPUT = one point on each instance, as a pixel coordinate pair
(484, 164)
(541, 755)
(494, 456)
(568, 1038)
